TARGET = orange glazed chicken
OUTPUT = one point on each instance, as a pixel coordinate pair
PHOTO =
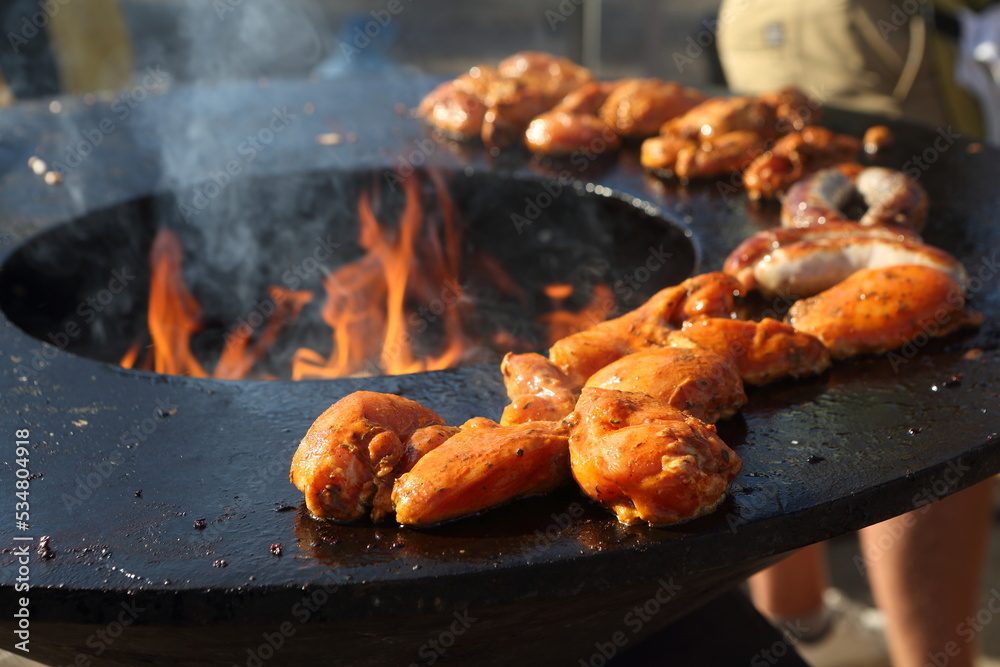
(645, 460)
(877, 310)
(693, 380)
(763, 351)
(482, 466)
(537, 389)
(584, 353)
(352, 451)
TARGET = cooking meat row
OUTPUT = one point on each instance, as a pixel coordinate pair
(627, 408)
(556, 107)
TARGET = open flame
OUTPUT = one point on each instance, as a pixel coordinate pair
(377, 307)
(366, 307)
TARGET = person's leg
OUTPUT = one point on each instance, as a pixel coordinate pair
(792, 587)
(924, 569)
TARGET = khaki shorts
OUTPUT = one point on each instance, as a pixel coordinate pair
(847, 53)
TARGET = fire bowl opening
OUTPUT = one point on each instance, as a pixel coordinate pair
(340, 274)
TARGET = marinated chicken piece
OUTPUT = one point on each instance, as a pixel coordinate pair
(511, 105)
(637, 108)
(711, 294)
(560, 133)
(529, 84)
(793, 108)
(718, 155)
(660, 153)
(554, 76)
(587, 99)
(877, 139)
(795, 155)
(763, 351)
(482, 466)
(478, 80)
(645, 460)
(422, 441)
(742, 262)
(877, 310)
(538, 390)
(693, 380)
(453, 109)
(883, 197)
(582, 354)
(721, 115)
(353, 449)
(809, 267)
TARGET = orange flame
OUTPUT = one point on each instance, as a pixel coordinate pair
(370, 302)
(174, 316)
(377, 307)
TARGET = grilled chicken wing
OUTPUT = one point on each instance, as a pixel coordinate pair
(718, 154)
(353, 449)
(529, 84)
(561, 133)
(793, 108)
(645, 460)
(587, 99)
(693, 380)
(763, 351)
(454, 109)
(538, 390)
(636, 108)
(551, 75)
(582, 354)
(877, 310)
(795, 155)
(660, 153)
(722, 115)
(422, 441)
(482, 466)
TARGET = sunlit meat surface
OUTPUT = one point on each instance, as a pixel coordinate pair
(352, 450)
(538, 390)
(878, 310)
(636, 108)
(795, 155)
(721, 115)
(482, 466)
(561, 133)
(707, 295)
(693, 380)
(763, 351)
(809, 267)
(646, 461)
(744, 259)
